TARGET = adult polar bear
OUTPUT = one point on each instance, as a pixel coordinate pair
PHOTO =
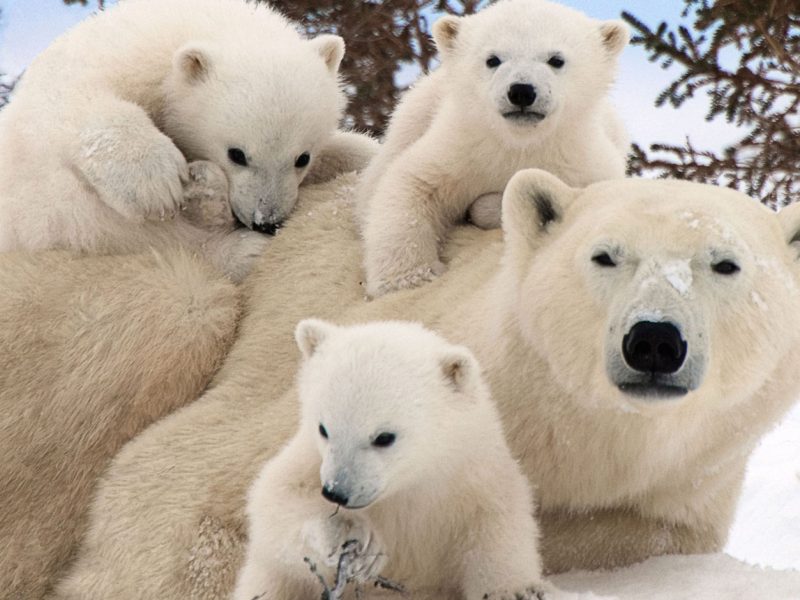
(60, 330)
(523, 83)
(93, 143)
(619, 475)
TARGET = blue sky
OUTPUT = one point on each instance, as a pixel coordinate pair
(28, 26)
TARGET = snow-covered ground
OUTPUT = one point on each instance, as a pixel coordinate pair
(698, 577)
(767, 527)
(765, 539)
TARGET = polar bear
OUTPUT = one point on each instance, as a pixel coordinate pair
(626, 462)
(94, 145)
(399, 434)
(521, 84)
(58, 437)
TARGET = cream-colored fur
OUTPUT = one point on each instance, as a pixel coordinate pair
(94, 349)
(455, 137)
(617, 478)
(94, 160)
(443, 508)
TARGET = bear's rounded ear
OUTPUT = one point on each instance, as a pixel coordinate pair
(310, 333)
(331, 49)
(459, 367)
(445, 32)
(615, 36)
(789, 218)
(533, 201)
(194, 62)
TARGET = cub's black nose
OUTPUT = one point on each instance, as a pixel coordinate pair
(266, 228)
(331, 495)
(654, 348)
(522, 94)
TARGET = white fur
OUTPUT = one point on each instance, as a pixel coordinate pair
(449, 144)
(618, 478)
(93, 143)
(444, 508)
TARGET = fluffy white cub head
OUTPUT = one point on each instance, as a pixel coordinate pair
(389, 405)
(660, 295)
(260, 111)
(527, 67)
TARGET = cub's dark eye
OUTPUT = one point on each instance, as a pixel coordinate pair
(725, 267)
(493, 62)
(556, 61)
(237, 157)
(302, 160)
(384, 440)
(322, 431)
(604, 260)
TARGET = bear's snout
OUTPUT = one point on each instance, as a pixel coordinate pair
(522, 94)
(331, 494)
(654, 348)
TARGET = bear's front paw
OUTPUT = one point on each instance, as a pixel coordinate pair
(347, 545)
(206, 201)
(529, 593)
(405, 280)
(140, 176)
(361, 563)
(486, 211)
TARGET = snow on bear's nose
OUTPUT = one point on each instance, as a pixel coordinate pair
(332, 494)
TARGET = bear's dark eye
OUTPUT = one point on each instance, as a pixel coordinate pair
(556, 61)
(604, 260)
(322, 431)
(302, 160)
(384, 440)
(237, 157)
(725, 267)
(493, 62)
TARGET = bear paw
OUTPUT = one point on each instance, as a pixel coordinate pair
(406, 280)
(529, 593)
(348, 546)
(486, 211)
(205, 197)
(140, 176)
(361, 563)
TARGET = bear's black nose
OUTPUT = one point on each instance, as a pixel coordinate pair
(522, 94)
(654, 348)
(267, 228)
(331, 495)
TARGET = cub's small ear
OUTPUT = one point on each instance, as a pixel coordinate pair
(310, 333)
(331, 49)
(459, 367)
(194, 62)
(445, 32)
(533, 201)
(615, 36)
(789, 218)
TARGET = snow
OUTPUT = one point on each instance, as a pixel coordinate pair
(679, 275)
(759, 301)
(766, 530)
(762, 559)
(688, 577)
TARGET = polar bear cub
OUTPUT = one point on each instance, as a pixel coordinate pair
(95, 143)
(401, 452)
(521, 84)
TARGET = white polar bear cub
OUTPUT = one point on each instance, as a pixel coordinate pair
(521, 84)
(95, 142)
(399, 449)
